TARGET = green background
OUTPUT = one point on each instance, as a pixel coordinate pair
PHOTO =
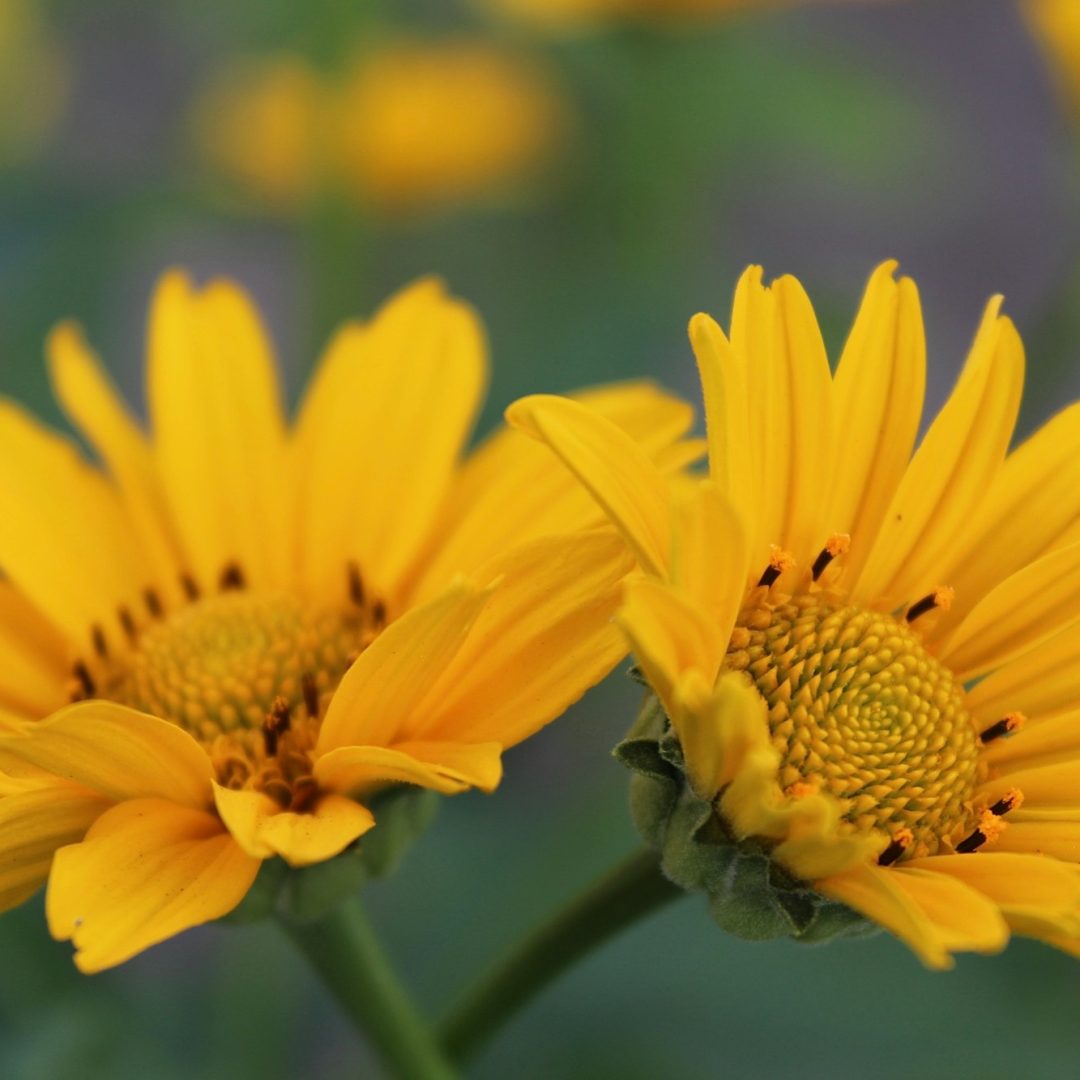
(816, 142)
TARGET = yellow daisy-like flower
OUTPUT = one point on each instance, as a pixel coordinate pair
(410, 125)
(219, 646)
(871, 660)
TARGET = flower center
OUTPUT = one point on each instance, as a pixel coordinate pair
(859, 709)
(248, 675)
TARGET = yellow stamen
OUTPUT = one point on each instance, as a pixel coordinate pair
(780, 562)
(940, 599)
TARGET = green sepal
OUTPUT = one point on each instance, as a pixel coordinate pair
(261, 899)
(749, 894)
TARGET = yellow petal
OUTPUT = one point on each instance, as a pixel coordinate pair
(1043, 742)
(513, 489)
(34, 669)
(1037, 895)
(380, 693)
(93, 405)
(1019, 614)
(606, 460)
(1041, 683)
(727, 415)
(263, 829)
(709, 556)
(544, 637)
(447, 768)
(379, 434)
(147, 870)
(878, 389)
(952, 469)
(717, 727)
(1056, 839)
(117, 752)
(64, 539)
(1039, 488)
(1055, 785)
(808, 384)
(33, 825)
(219, 430)
(670, 638)
(930, 913)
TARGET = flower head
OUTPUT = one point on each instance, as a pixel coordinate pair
(409, 125)
(222, 644)
(868, 658)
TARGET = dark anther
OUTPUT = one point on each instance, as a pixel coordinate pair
(101, 646)
(900, 842)
(232, 577)
(972, 842)
(128, 623)
(189, 585)
(940, 598)
(770, 575)
(837, 545)
(304, 791)
(153, 603)
(356, 585)
(891, 853)
(311, 694)
(378, 613)
(1007, 725)
(275, 725)
(1012, 798)
(86, 682)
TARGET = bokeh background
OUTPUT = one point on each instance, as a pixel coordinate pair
(650, 162)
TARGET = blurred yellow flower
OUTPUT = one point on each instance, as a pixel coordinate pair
(408, 126)
(1056, 26)
(33, 79)
(871, 660)
(217, 647)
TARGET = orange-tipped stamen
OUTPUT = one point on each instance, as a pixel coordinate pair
(837, 545)
(901, 841)
(940, 599)
(1009, 724)
(780, 561)
(990, 827)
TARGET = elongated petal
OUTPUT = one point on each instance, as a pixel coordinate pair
(1056, 839)
(878, 391)
(447, 768)
(670, 638)
(614, 469)
(117, 752)
(1043, 742)
(147, 870)
(35, 824)
(379, 434)
(952, 469)
(513, 489)
(544, 637)
(91, 402)
(64, 539)
(930, 913)
(33, 657)
(717, 727)
(219, 430)
(263, 829)
(799, 348)
(380, 693)
(1055, 785)
(1041, 683)
(1019, 614)
(1037, 895)
(1039, 490)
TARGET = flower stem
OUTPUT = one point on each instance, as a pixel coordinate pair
(631, 890)
(344, 949)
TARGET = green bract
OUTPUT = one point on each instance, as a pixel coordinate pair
(749, 894)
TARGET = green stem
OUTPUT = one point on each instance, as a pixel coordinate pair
(344, 949)
(633, 889)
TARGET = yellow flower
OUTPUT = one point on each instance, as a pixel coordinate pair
(409, 126)
(1056, 26)
(871, 660)
(259, 627)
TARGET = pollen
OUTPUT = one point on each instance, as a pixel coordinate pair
(860, 710)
